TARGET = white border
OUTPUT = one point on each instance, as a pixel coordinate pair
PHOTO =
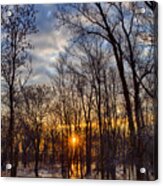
(62, 182)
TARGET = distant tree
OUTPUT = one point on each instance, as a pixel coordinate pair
(36, 106)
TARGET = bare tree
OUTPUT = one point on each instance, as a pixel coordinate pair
(36, 105)
(15, 30)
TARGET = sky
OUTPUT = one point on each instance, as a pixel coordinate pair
(48, 43)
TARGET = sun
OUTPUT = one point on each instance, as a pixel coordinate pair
(74, 140)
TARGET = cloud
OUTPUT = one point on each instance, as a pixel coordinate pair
(48, 43)
(38, 79)
(47, 48)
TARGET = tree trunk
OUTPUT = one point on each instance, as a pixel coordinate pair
(53, 147)
(88, 167)
(37, 156)
(16, 158)
(98, 100)
(11, 131)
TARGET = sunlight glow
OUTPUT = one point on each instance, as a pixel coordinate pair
(74, 140)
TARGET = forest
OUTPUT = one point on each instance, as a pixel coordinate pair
(94, 114)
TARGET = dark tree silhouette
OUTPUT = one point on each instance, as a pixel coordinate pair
(17, 23)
